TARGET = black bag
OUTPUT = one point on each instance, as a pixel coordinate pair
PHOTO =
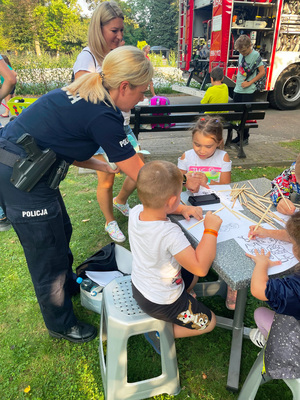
(103, 260)
(261, 83)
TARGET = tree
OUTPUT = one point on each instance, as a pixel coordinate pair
(54, 25)
(158, 20)
(61, 20)
(163, 23)
(18, 23)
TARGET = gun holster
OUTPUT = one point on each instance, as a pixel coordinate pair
(58, 173)
(28, 171)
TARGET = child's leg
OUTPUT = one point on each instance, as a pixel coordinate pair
(264, 319)
(189, 280)
(181, 331)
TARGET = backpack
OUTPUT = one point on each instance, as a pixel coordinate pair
(261, 83)
(160, 101)
(102, 260)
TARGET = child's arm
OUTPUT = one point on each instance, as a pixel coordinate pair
(206, 98)
(199, 261)
(260, 273)
(279, 234)
(225, 177)
(286, 207)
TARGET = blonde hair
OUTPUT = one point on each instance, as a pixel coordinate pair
(103, 14)
(125, 63)
(157, 181)
(243, 43)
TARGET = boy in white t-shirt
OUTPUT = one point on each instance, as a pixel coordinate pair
(165, 266)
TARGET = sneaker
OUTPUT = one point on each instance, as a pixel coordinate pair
(115, 232)
(257, 338)
(231, 298)
(124, 208)
(5, 225)
(154, 340)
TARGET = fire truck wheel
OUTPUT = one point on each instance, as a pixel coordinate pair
(286, 94)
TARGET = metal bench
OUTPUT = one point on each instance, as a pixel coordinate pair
(238, 117)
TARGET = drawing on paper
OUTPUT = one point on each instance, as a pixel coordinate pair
(279, 252)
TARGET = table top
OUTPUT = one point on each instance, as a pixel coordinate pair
(231, 263)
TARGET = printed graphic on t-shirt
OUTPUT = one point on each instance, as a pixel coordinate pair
(212, 173)
(198, 321)
(177, 279)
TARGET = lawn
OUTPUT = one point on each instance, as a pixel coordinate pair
(35, 366)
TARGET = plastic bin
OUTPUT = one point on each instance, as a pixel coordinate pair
(17, 104)
(124, 262)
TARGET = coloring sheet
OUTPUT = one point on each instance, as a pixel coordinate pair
(280, 250)
(223, 191)
(231, 227)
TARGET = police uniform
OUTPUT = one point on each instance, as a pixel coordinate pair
(74, 129)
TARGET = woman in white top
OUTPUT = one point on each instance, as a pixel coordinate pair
(105, 34)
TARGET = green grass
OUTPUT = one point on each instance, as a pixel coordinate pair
(61, 370)
(295, 145)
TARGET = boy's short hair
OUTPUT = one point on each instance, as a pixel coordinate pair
(243, 43)
(297, 169)
(157, 181)
(217, 74)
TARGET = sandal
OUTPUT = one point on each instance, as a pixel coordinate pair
(4, 116)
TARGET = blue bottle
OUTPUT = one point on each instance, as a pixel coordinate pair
(86, 284)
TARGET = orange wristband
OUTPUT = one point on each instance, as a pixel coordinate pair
(211, 231)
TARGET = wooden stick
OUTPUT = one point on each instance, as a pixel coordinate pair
(253, 187)
(244, 216)
(228, 190)
(229, 209)
(279, 190)
(260, 221)
(201, 220)
(269, 191)
(182, 202)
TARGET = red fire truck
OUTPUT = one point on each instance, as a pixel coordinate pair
(208, 30)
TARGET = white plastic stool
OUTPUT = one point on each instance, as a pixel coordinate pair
(121, 317)
(254, 380)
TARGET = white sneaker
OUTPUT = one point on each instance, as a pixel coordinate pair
(124, 208)
(115, 232)
(257, 338)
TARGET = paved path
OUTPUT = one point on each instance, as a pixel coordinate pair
(263, 148)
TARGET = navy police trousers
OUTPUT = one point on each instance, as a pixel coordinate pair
(43, 226)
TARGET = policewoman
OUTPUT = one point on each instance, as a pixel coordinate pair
(66, 126)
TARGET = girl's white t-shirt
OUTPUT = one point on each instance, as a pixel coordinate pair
(211, 167)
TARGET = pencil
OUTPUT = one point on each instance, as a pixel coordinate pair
(260, 221)
(201, 220)
(283, 196)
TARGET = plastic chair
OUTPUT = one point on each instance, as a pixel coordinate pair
(121, 317)
(255, 379)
